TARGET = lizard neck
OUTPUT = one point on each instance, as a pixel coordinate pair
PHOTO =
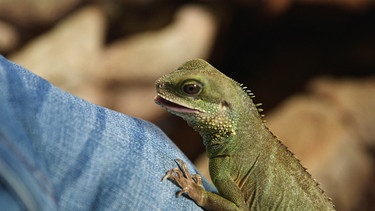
(246, 130)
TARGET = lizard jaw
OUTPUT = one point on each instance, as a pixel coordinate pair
(174, 107)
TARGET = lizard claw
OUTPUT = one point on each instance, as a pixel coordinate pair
(182, 177)
(196, 177)
(171, 174)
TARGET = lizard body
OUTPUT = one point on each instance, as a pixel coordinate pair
(249, 166)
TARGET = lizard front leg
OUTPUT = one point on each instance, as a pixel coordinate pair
(191, 184)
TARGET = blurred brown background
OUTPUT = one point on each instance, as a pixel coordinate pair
(310, 62)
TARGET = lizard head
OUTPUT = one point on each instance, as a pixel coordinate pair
(203, 96)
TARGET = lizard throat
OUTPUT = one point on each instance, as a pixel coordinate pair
(174, 107)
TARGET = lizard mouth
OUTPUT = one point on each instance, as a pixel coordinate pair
(174, 107)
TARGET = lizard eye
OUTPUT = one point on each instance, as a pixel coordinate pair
(192, 88)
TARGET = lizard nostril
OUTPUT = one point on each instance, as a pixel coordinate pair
(159, 85)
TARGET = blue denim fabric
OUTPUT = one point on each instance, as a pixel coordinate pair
(59, 152)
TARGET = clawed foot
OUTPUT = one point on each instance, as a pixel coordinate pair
(189, 184)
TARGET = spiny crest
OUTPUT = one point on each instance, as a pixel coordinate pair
(252, 96)
(260, 110)
(258, 105)
(248, 91)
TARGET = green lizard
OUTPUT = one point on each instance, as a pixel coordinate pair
(249, 166)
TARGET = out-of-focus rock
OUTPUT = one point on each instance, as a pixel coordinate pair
(129, 16)
(135, 100)
(8, 37)
(127, 69)
(24, 12)
(329, 130)
(355, 98)
(65, 55)
(146, 56)
(121, 76)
